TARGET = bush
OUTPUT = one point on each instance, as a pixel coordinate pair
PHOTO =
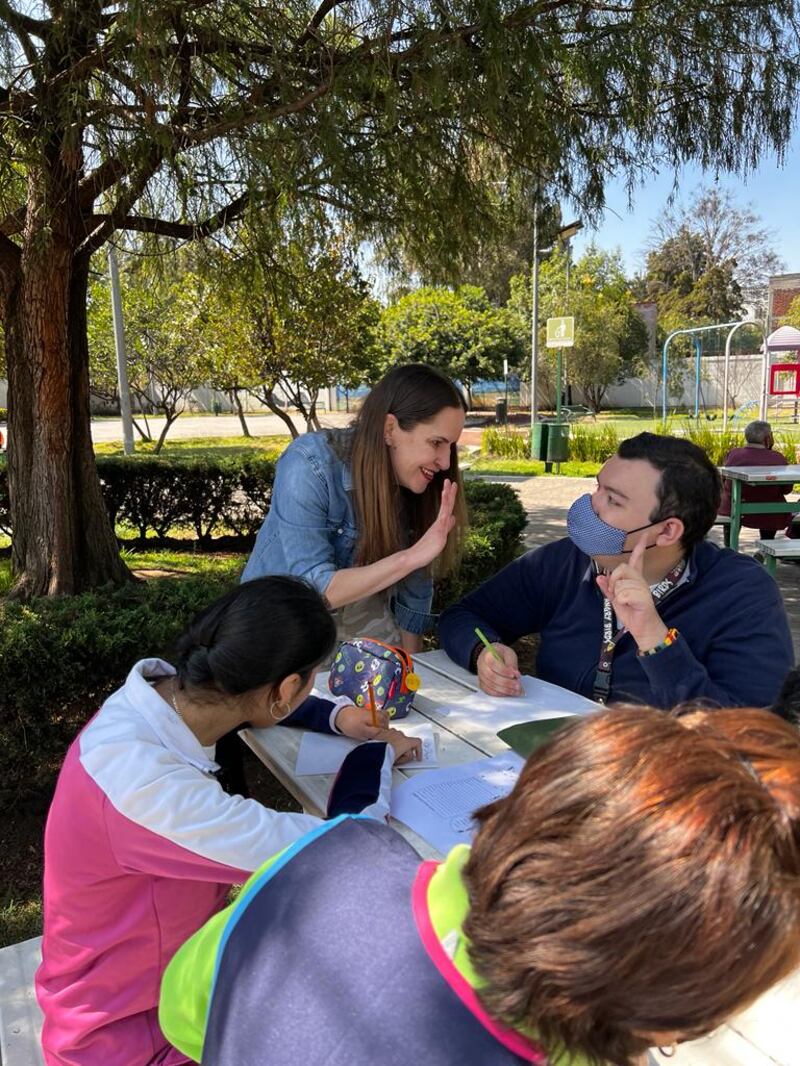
(497, 519)
(585, 445)
(154, 496)
(592, 445)
(59, 658)
(715, 443)
(505, 444)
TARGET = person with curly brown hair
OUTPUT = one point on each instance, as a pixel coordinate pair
(639, 885)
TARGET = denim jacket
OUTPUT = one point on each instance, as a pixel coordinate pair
(310, 530)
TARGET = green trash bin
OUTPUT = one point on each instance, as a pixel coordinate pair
(539, 440)
(558, 442)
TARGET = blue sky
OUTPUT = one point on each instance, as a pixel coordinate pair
(773, 191)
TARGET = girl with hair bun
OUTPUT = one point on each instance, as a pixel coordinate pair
(142, 844)
(366, 513)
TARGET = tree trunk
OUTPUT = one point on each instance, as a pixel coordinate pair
(240, 411)
(266, 398)
(63, 542)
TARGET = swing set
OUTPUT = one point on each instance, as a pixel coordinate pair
(695, 333)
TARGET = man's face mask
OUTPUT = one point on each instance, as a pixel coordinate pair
(592, 535)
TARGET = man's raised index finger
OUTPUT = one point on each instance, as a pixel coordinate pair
(637, 556)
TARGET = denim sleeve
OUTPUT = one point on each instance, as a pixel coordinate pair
(296, 536)
(411, 603)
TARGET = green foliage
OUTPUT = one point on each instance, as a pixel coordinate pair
(305, 317)
(792, 316)
(610, 337)
(166, 338)
(457, 331)
(532, 468)
(505, 444)
(187, 448)
(585, 445)
(497, 519)
(592, 445)
(155, 496)
(715, 443)
(59, 657)
(709, 259)
(19, 920)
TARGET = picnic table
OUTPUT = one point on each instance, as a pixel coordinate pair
(758, 475)
(767, 1034)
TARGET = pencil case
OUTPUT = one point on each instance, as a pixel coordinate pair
(390, 670)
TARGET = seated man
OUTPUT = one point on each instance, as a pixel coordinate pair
(634, 604)
(758, 451)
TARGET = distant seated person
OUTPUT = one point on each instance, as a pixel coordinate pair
(758, 451)
(634, 605)
(345, 950)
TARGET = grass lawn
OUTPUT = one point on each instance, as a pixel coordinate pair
(530, 468)
(203, 447)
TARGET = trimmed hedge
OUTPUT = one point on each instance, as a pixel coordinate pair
(153, 496)
(60, 657)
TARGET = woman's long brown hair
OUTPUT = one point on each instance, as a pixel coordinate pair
(389, 517)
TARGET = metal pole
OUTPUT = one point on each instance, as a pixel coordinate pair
(764, 381)
(119, 345)
(726, 375)
(698, 353)
(535, 317)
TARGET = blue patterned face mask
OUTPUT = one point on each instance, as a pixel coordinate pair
(592, 535)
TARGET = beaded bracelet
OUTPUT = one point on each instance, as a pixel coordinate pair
(670, 638)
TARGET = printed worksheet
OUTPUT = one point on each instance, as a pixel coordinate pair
(539, 700)
(440, 805)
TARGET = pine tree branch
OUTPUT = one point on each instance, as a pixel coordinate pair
(21, 26)
(185, 231)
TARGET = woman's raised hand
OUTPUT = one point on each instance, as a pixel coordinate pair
(431, 544)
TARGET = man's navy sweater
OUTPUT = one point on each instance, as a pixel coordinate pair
(734, 647)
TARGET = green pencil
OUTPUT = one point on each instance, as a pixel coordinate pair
(482, 637)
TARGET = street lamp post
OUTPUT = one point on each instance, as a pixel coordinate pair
(535, 319)
(566, 233)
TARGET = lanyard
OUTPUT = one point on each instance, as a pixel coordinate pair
(659, 592)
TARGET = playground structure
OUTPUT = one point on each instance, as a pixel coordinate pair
(779, 379)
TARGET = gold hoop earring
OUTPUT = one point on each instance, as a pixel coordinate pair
(286, 713)
(668, 1052)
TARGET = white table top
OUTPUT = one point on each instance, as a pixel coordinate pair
(762, 474)
(767, 1034)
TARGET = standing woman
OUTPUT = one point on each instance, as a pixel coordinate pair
(365, 513)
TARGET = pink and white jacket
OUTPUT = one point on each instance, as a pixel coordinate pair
(141, 846)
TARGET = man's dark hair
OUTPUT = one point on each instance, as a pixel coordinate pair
(690, 487)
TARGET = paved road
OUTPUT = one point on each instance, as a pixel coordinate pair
(110, 429)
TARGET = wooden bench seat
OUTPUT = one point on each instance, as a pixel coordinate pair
(20, 1017)
(782, 548)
